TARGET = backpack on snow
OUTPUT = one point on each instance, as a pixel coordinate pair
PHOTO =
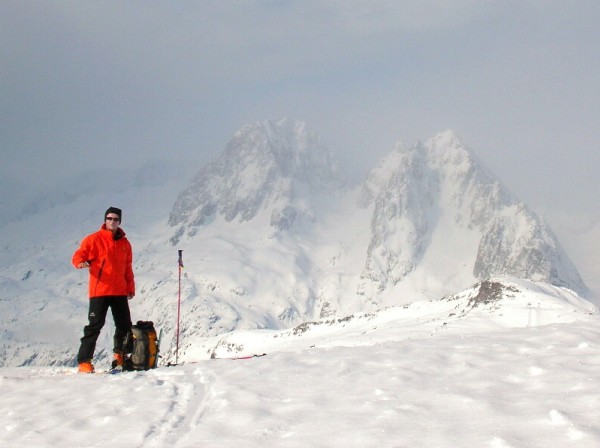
(144, 346)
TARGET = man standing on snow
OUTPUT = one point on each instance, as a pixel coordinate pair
(108, 255)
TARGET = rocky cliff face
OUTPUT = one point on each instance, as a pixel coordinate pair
(402, 215)
(441, 181)
(436, 214)
(271, 166)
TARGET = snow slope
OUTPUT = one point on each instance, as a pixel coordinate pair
(505, 364)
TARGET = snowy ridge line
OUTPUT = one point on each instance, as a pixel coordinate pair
(496, 304)
(492, 305)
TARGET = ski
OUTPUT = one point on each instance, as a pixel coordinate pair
(236, 358)
(249, 356)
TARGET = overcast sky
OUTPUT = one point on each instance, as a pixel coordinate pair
(111, 83)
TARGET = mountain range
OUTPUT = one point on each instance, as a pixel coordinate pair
(274, 236)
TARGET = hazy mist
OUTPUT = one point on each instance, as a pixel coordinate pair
(113, 84)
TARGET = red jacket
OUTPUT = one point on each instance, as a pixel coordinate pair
(110, 262)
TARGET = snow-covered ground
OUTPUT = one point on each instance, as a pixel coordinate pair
(515, 366)
(468, 371)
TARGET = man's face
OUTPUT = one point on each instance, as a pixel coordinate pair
(112, 221)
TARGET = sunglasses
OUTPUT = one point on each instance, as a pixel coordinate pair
(109, 218)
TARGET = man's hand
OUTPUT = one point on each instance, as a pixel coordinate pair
(82, 265)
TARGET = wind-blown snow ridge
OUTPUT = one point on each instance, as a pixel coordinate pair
(489, 305)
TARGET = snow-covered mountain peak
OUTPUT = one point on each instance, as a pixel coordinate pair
(437, 200)
(446, 151)
(287, 147)
(271, 166)
(446, 140)
(443, 158)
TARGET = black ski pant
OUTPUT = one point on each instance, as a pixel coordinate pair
(119, 305)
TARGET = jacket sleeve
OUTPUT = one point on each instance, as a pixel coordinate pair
(129, 273)
(83, 254)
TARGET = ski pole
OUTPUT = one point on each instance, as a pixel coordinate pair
(180, 263)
